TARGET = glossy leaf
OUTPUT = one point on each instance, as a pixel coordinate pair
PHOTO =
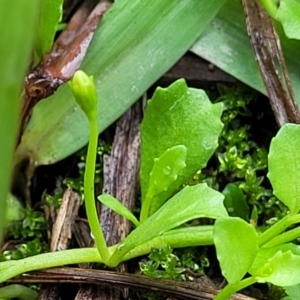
(235, 202)
(187, 117)
(236, 245)
(284, 166)
(190, 203)
(125, 58)
(115, 205)
(283, 269)
(165, 172)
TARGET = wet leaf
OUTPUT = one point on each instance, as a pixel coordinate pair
(187, 118)
(236, 245)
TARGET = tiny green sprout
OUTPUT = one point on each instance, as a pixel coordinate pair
(84, 92)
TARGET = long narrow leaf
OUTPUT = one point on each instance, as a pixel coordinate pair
(226, 44)
(17, 20)
(136, 43)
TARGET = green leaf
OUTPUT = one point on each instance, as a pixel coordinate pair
(14, 210)
(288, 14)
(192, 202)
(17, 23)
(235, 202)
(18, 291)
(125, 58)
(115, 205)
(165, 172)
(49, 17)
(226, 44)
(293, 292)
(283, 269)
(284, 166)
(188, 118)
(265, 254)
(236, 245)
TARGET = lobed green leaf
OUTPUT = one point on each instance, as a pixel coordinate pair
(188, 118)
(283, 269)
(265, 254)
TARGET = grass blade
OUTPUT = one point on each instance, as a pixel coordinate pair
(126, 57)
(17, 20)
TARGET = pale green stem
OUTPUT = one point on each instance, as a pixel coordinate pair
(89, 178)
(178, 238)
(18, 291)
(283, 238)
(232, 288)
(277, 228)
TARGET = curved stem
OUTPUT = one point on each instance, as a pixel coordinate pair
(232, 288)
(283, 238)
(9, 269)
(89, 178)
(277, 228)
(177, 238)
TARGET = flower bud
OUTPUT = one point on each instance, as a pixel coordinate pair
(84, 91)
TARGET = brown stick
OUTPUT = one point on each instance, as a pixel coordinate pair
(65, 58)
(61, 235)
(177, 289)
(267, 49)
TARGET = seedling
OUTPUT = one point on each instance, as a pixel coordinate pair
(179, 134)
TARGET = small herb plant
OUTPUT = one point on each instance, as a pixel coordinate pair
(174, 146)
(269, 257)
(179, 134)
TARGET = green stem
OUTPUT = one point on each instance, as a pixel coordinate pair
(18, 291)
(284, 238)
(89, 178)
(277, 228)
(178, 238)
(9, 269)
(145, 209)
(232, 288)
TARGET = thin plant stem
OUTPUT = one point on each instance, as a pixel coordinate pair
(278, 228)
(177, 238)
(283, 238)
(89, 181)
(232, 288)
